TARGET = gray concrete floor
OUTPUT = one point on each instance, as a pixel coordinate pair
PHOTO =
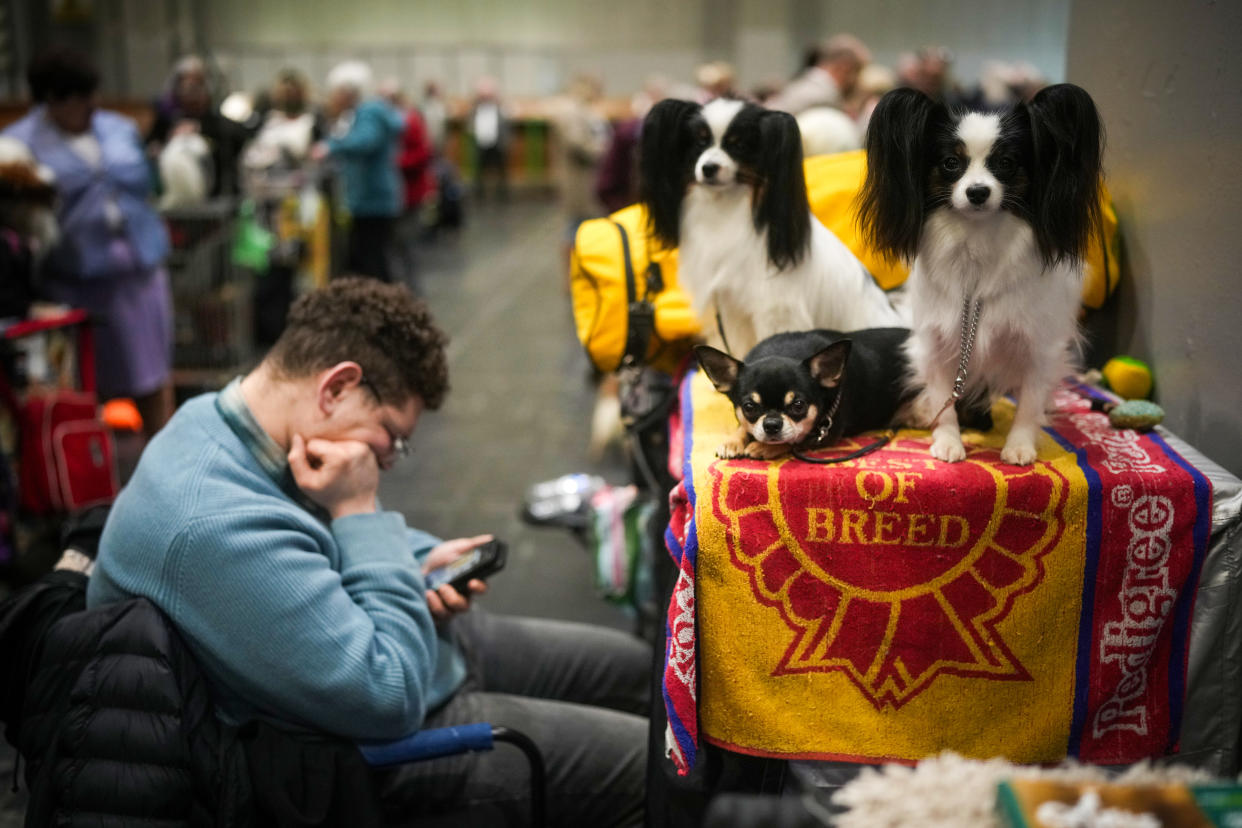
(519, 412)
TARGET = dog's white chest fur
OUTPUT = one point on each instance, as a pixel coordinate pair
(983, 255)
(720, 241)
(723, 263)
(1027, 317)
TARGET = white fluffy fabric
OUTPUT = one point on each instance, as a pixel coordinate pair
(949, 791)
(826, 130)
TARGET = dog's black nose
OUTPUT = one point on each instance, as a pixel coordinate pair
(710, 170)
(978, 193)
(772, 425)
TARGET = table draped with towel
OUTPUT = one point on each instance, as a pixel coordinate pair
(893, 606)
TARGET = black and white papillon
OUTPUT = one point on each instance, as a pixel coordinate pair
(723, 182)
(996, 210)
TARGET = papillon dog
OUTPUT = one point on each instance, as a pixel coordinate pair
(996, 210)
(723, 183)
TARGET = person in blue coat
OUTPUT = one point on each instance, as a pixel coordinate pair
(364, 145)
(110, 256)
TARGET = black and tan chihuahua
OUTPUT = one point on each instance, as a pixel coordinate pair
(805, 390)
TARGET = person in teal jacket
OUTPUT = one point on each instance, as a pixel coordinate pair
(252, 521)
(364, 144)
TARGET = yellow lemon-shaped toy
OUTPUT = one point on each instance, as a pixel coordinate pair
(1128, 377)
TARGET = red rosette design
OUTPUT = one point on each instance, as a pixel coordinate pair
(895, 568)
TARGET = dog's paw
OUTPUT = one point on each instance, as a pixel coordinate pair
(766, 451)
(730, 449)
(949, 448)
(1018, 452)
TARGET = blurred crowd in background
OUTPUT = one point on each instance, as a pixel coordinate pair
(591, 152)
(366, 172)
(206, 139)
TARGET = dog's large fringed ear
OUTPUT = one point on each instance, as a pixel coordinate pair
(1067, 142)
(662, 166)
(892, 202)
(828, 366)
(720, 368)
(781, 205)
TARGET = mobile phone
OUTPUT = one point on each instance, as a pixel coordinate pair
(480, 562)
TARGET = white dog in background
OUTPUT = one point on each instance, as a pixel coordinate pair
(184, 164)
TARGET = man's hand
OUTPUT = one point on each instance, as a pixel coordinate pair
(341, 476)
(445, 602)
(319, 151)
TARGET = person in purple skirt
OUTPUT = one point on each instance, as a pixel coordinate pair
(109, 260)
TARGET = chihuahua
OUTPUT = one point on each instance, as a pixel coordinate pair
(793, 391)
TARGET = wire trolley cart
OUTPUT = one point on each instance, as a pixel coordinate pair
(213, 337)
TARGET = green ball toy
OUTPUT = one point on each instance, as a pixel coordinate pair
(1139, 415)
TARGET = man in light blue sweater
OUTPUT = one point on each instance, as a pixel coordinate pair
(252, 522)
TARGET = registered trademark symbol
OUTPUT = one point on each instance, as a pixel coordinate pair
(1123, 496)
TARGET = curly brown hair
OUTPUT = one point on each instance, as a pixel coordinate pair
(380, 326)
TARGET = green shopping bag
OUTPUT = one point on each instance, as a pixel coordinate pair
(252, 243)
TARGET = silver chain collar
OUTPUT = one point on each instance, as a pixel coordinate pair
(970, 327)
(821, 433)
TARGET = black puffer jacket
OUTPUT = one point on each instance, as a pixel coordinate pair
(115, 722)
(117, 727)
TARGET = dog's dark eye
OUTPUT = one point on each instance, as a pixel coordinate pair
(951, 164)
(751, 409)
(702, 134)
(797, 408)
(1004, 165)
